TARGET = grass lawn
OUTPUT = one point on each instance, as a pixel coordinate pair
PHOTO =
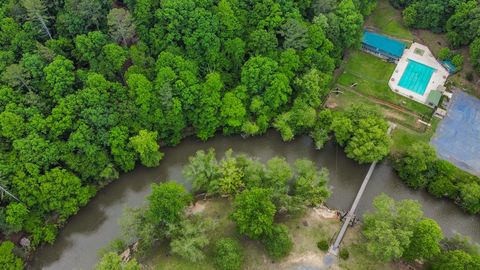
(372, 75)
(403, 137)
(406, 132)
(349, 98)
(388, 20)
(305, 231)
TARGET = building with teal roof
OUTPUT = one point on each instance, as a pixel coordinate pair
(383, 46)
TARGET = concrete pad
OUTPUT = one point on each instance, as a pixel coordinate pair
(421, 54)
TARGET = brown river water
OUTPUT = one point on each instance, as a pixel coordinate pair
(96, 224)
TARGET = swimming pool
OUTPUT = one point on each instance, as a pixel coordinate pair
(416, 77)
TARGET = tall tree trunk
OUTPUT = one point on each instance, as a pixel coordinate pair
(44, 25)
(25, 85)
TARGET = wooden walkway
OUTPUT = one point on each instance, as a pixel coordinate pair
(351, 214)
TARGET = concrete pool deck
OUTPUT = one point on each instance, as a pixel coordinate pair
(457, 139)
(421, 54)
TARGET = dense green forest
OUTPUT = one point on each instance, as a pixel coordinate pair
(91, 87)
(459, 19)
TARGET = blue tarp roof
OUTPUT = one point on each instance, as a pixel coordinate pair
(457, 139)
(383, 43)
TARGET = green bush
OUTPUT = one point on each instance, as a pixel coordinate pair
(444, 54)
(457, 61)
(8, 260)
(228, 254)
(278, 244)
(344, 254)
(323, 245)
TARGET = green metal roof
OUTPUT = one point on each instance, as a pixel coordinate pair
(434, 97)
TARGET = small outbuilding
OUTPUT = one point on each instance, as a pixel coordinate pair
(434, 98)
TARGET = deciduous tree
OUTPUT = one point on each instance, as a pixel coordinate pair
(112, 261)
(56, 191)
(228, 254)
(201, 170)
(60, 76)
(425, 242)
(208, 107)
(389, 228)
(253, 212)
(121, 26)
(146, 146)
(189, 239)
(370, 141)
(166, 203)
(310, 185)
(7, 259)
(278, 243)
(36, 12)
(412, 167)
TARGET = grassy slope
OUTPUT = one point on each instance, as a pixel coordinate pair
(388, 20)
(372, 75)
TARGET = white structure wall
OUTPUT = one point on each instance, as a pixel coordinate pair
(439, 77)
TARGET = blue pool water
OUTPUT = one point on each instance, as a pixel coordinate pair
(416, 77)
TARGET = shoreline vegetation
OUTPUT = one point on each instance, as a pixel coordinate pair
(232, 228)
(91, 89)
(239, 215)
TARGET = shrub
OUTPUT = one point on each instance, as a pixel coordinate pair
(278, 244)
(8, 260)
(113, 261)
(323, 245)
(228, 254)
(457, 61)
(344, 254)
(320, 137)
(444, 54)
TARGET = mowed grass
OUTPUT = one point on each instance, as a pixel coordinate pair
(349, 98)
(403, 138)
(388, 20)
(372, 75)
(404, 135)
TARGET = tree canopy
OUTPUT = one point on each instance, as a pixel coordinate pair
(89, 89)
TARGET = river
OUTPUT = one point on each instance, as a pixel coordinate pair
(96, 224)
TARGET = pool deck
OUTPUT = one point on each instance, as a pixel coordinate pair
(439, 76)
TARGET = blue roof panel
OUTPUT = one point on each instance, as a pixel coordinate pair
(383, 43)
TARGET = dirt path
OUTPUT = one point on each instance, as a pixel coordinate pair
(311, 259)
(380, 102)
